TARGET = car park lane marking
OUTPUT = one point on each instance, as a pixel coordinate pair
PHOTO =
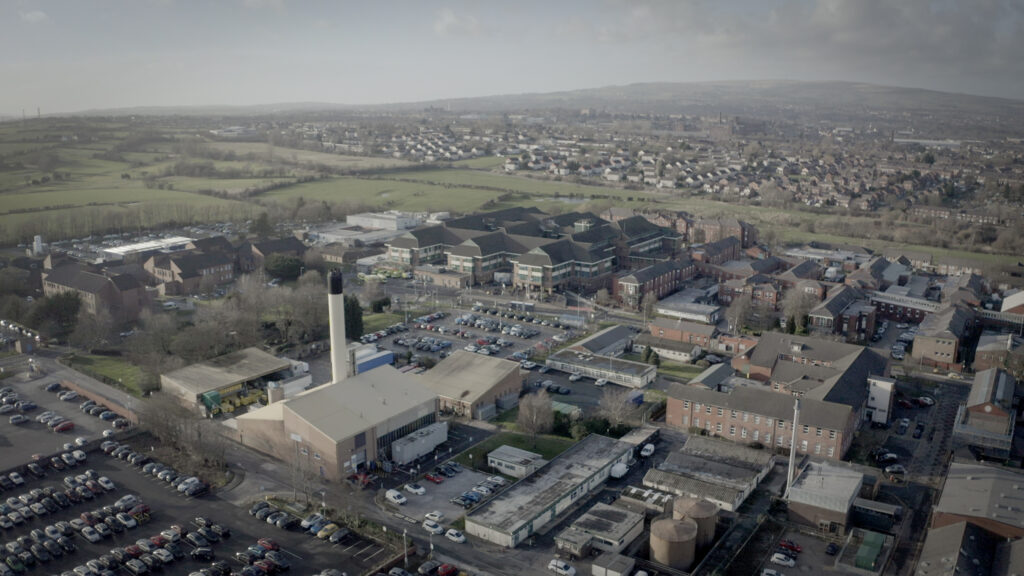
(353, 545)
(370, 547)
(367, 559)
(292, 554)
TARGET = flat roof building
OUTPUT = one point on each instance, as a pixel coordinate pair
(534, 502)
(514, 462)
(170, 244)
(475, 385)
(623, 372)
(606, 528)
(822, 495)
(984, 494)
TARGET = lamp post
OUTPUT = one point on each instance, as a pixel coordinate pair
(405, 547)
(323, 501)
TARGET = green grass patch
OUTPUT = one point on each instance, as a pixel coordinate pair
(507, 419)
(265, 152)
(375, 322)
(110, 369)
(482, 163)
(546, 446)
(382, 193)
(682, 371)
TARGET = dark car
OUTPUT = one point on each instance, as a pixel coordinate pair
(258, 506)
(220, 568)
(175, 549)
(36, 470)
(202, 553)
(919, 430)
(832, 549)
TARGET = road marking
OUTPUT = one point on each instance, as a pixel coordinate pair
(365, 549)
(372, 555)
(354, 544)
(292, 554)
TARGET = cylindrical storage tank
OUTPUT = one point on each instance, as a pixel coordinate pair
(705, 514)
(674, 542)
(681, 505)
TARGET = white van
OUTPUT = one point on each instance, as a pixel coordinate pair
(396, 497)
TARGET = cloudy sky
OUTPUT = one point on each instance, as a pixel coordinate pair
(71, 55)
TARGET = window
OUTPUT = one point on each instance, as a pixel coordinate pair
(732, 414)
(732, 430)
(720, 412)
(803, 446)
(696, 405)
(686, 420)
(806, 428)
(743, 432)
(718, 427)
(831, 451)
(767, 438)
(316, 455)
(778, 440)
(832, 434)
(696, 422)
(707, 409)
(817, 448)
(782, 424)
(686, 403)
(757, 420)
(756, 434)
(746, 417)
(817, 431)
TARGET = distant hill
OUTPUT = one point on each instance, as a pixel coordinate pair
(784, 100)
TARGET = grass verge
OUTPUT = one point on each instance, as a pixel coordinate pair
(546, 446)
(111, 370)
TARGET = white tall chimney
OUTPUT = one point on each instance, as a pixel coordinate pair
(336, 312)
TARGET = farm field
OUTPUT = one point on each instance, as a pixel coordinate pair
(262, 151)
(386, 193)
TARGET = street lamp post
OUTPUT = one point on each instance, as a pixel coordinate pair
(405, 547)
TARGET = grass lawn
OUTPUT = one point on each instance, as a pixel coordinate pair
(261, 151)
(482, 163)
(112, 367)
(375, 322)
(684, 371)
(547, 446)
(384, 193)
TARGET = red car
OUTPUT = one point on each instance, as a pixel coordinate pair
(65, 426)
(265, 565)
(790, 545)
(434, 478)
(159, 540)
(446, 570)
(133, 550)
(906, 404)
(268, 544)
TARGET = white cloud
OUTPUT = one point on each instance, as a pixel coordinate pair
(34, 16)
(448, 23)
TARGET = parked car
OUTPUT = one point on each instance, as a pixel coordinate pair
(414, 488)
(432, 527)
(396, 497)
(561, 567)
(455, 536)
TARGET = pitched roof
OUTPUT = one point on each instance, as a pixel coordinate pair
(960, 548)
(286, 244)
(949, 323)
(212, 244)
(708, 330)
(983, 491)
(80, 280)
(465, 376)
(992, 386)
(489, 244)
(828, 415)
(838, 299)
(192, 263)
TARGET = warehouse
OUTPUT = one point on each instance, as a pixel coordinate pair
(719, 471)
(603, 527)
(340, 428)
(475, 385)
(351, 424)
(228, 382)
(532, 503)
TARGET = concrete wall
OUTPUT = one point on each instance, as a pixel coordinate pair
(814, 517)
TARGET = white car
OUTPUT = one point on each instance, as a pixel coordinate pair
(496, 480)
(79, 455)
(782, 560)
(926, 401)
(81, 441)
(435, 516)
(396, 497)
(480, 489)
(575, 377)
(90, 534)
(455, 536)
(105, 483)
(432, 527)
(600, 382)
(896, 469)
(561, 567)
(16, 478)
(527, 365)
(647, 450)
(163, 555)
(109, 432)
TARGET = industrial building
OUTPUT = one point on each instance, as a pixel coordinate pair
(611, 341)
(720, 472)
(512, 461)
(674, 542)
(129, 251)
(983, 494)
(603, 527)
(987, 420)
(646, 500)
(231, 381)
(822, 495)
(474, 385)
(352, 423)
(532, 503)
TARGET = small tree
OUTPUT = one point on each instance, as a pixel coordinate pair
(797, 304)
(535, 414)
(738, 312)
(353, 318)
(654, 359)
(261, 226)
(283, 266)
(616, 407)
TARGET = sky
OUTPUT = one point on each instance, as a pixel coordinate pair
(63, 56)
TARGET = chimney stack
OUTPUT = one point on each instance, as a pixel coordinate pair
(336, 313)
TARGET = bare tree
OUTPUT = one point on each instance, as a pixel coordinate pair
(615, 405)
(796, 304)
(535, 414)
(92, 330)
(738, 312)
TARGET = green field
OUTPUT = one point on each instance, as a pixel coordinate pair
(118, 370)
(381, 193)
(547, 446)
(266, 152)
(375, 322)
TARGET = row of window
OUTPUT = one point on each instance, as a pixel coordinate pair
(746, 416)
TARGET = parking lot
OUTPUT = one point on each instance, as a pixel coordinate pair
(170, 507)
(20, 441)
(438, 496)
